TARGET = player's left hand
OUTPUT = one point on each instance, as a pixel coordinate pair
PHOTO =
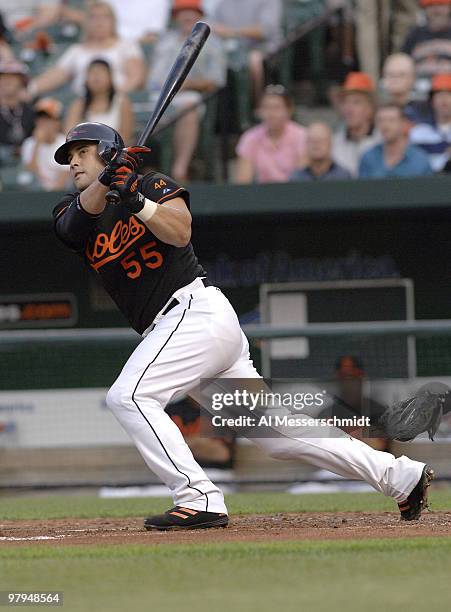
(131, 158)
(126, 183)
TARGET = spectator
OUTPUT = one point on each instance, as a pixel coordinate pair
(398, 86)
(402, 19)
(367, 32)
(210, 7)
(141, 21)
(357, 135)
(376, 22)
(38, 150)
(207, 74)
(394, 156)
(21, 14)
(320, 164)
(209, 450)
(100, 42)
(136, 20)
(16, 116)
(430, 45)
(42, 14)
(271, 151)
(255, 27)
(435, 137)
(351, 400)
(399, 78)
(102, 102)
(6, 53)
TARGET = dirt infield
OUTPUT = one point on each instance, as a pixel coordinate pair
(249, 528)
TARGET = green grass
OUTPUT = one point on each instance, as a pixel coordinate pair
(310, 576)
(352, 576)
(90, 506)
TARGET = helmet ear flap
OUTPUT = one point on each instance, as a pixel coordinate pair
(106, 151)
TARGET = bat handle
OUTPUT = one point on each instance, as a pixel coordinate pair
(113, 197)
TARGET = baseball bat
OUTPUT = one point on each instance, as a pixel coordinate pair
(176, 77)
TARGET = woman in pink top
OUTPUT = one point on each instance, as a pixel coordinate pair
(271, 151)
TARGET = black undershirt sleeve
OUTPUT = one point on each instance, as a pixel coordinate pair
(72, 223)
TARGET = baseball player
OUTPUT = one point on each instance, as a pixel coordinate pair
(142, 252)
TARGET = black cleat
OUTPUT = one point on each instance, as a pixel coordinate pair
(185, 518)
(417, 501)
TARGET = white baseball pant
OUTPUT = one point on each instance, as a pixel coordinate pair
(201, 338)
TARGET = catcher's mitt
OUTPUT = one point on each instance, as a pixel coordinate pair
(405, 420)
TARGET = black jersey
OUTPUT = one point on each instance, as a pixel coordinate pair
(139, 271)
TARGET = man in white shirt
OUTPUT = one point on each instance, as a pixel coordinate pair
(141, 20)
(357, 134)
(249, 30)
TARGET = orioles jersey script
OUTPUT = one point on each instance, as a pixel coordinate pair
(139, 271)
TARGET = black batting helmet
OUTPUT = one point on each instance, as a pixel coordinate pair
(109, 141)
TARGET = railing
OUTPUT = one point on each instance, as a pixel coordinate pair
(418, 328)
(65, 374)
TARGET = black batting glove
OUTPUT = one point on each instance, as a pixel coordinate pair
(126, 184)
(130, 158)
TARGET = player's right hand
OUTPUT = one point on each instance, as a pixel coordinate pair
(126, 183)
(130, 158)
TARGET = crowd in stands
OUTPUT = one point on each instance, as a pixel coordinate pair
(63, 62)
(207, 75)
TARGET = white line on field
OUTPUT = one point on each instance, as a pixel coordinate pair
(32, 538)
